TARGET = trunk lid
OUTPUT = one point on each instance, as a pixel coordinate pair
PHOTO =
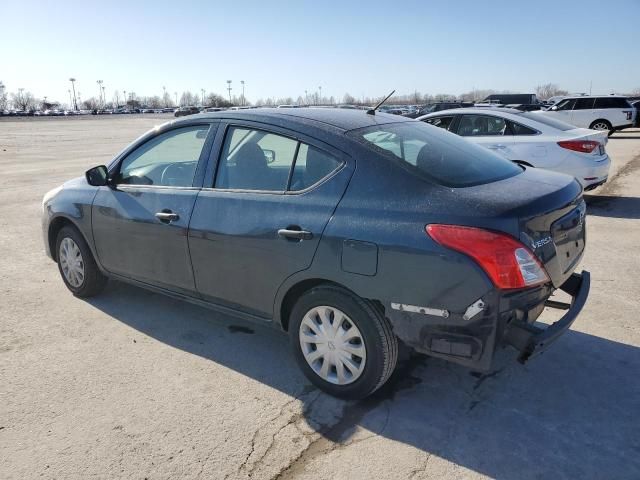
(544, 210)
(553, 227)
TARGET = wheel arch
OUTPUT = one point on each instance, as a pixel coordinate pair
(55, 226)
(295, 291)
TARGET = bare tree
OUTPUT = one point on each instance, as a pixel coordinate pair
(154, 102)
(549, 90)
(187, 98)
(3, 96)
(216, 100)
(348, 99)
(635, 92)
(23, 100)
(91, 103)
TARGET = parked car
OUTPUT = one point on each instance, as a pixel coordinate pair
(183, 111)
(609, 112)
(512, 98)
(273, 222)
(531, 140)
(636, 105)
(438, 106)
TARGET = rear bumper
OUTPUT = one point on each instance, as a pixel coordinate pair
(531, 340)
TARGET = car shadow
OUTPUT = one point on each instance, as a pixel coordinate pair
(570, 413)
(613, 206)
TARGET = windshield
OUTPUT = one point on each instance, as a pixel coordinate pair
(440, 156)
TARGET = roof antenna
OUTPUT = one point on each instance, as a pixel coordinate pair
(373, 110)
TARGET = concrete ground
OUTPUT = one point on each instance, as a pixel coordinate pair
(135, 385)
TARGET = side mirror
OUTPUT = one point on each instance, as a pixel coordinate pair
(554, 108)
(270, 155)
(97, 176)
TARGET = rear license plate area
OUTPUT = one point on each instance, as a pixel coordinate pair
(568, 234)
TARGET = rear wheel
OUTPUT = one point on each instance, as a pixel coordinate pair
(601, 125)
(342, 343)
(77, 266)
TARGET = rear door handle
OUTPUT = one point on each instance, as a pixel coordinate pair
(167, 216)
(295, 234)
(496, 147)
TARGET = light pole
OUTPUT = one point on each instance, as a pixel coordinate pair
(202, 91)
(242, 82)
(99, 82)
(320, 100)
(229, 88)
(164, 96)
(124, 97)
(306, 97)
(70, 99)
(73, 86)
(104, 96)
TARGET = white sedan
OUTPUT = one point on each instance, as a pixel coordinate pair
(531, 140)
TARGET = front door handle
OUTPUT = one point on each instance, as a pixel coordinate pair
(295, 234)
(167, 216)
(496, 147)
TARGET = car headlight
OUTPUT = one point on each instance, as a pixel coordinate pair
(49, 195)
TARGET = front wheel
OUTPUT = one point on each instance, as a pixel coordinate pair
(342, 343)
(77, 266)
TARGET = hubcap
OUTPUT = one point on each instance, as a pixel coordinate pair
(332, 345)
(600, 126)
(71, 262)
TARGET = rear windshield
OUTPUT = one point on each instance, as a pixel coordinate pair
(549, 122)
(440, 156)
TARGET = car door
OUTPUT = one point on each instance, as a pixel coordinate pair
(562, 110)
(140, 221)
(489, 131)
(583, 113)
(263, 217)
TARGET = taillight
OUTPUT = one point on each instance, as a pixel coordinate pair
(582, 146)
(508, 262)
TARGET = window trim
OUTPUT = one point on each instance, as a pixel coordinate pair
(219, 147)
(537, 132)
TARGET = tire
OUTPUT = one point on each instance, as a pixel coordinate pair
(602, 125)
(362, 373)
(92, 281)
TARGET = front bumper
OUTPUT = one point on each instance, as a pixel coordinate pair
(531, 340)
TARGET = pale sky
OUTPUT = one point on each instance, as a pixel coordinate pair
(282, 48)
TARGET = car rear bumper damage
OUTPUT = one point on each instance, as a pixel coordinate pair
(530, 339)
(499, 318)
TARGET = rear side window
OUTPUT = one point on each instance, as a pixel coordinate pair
(442, 122)
(312, 165)
(584, 104)
(518, 129)
(611, 102)
(481, 126)
(263, 161)
(436, 155)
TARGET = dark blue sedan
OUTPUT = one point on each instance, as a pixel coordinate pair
(350, 230)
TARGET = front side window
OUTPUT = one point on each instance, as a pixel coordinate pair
(442, 122)
(263, 161)
(481, 126)
(436, 155)
(583, 104)
(565, 105)
(169, 160)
